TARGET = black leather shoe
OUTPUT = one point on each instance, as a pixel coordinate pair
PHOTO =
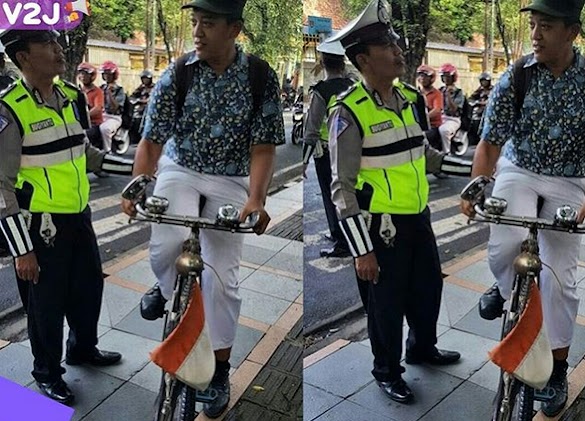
(221, 384)
(439, 357)
(335, 252)
(558, 382)
(58, 391)
(491, 304)
(396, 390)
(152, 304)
(97, 358)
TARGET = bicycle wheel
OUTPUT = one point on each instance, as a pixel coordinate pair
(514, 399)
(176, 401)
(519, 406)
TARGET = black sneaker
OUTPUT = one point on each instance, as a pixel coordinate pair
(491, 303)
(221, 384)
(152, 305)
(558, 382)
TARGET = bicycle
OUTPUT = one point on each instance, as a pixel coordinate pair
(176, 400)
(515, 399)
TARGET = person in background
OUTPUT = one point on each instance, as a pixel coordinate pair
(453, 101)
(316, 136)
(87, 74)
(114, 97)
(426, 76)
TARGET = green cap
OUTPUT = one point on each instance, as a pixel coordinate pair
(231, 8)
(564, 9)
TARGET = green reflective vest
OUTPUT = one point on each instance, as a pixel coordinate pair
(52, 176)
(392, 174)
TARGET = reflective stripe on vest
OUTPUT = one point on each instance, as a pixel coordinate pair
(392, 175)
(324, 131)
(52, 169)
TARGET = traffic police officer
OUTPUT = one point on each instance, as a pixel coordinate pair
(316, 136)
(44, 213)
(379, 158)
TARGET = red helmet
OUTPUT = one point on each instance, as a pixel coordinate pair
(450, 70)
(110, 67)
(89, 69)
(427, 70)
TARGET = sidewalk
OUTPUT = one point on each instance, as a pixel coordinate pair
(271, 290)
(338, 384)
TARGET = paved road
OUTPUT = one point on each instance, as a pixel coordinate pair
(329, 284)
(115, 236)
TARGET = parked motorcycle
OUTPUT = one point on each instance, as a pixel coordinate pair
(297, 118)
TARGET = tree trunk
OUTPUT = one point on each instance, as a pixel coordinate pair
(75, 48)
(416, 14)
(163, 28)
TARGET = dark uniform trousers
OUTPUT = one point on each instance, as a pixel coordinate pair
(323, 170)
(410, 284)
(70, 285)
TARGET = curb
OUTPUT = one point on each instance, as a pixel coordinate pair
(283, 176)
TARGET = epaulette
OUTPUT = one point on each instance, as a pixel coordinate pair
(409, 87)
(71, 85)
(8, 89)
(346, 93)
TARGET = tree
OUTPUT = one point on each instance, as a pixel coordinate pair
(75, 43)
(272, 29)
(123, 18)
(455, 17)
(411, 20)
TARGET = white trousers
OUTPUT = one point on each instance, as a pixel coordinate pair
(560, 251)
(108, 129)
(447, 130)
(221, 251)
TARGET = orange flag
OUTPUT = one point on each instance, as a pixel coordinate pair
(187, 352)
(526, 352)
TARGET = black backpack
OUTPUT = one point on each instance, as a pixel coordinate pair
(466, 113)
(257, 73)
(127, 112)
(5, 82)
(522, 77)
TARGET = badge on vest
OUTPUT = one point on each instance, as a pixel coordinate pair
(3, 123)
(48, 230)
(380, 127)
(40, 125)
(387, 230)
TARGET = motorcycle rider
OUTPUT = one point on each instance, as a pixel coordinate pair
(426, 76)
(478, 101)
(114, 97)
(453, 100)
(142, 93)
(140, 98)
(87, 74)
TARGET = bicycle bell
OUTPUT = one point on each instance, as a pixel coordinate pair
(228, 214)
(157, 205)
(495, 205)
(566, 216)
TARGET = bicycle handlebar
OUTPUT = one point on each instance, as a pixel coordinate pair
(491, 210)
(153, 209)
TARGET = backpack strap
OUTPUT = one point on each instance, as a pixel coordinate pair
(184, 77)
(258, 76)
(522, 77)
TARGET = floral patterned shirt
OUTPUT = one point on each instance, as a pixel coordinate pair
(217, 128)
(549, 136)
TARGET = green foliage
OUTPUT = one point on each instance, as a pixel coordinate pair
(455, 17)
(273, 29)
(120, 17)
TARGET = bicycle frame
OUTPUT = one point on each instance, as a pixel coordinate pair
(527, 267)
(189, 265)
